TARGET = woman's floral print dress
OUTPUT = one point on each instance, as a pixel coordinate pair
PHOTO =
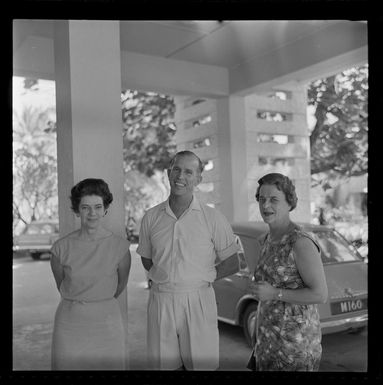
(288, 335)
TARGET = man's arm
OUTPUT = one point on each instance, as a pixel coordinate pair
(123, 274)
(144, 244)
(57, 270)
(147, 263)
(227, 267)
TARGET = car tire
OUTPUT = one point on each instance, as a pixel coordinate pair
(35, 255)
(249, 319)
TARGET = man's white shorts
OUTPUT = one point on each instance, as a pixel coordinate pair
(182, 327)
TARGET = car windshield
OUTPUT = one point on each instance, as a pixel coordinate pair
(335, 249)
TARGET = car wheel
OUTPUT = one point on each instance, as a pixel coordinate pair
(35, 256)
(249, 320)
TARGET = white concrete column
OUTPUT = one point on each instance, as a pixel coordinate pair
(232, 157)
(89, 124)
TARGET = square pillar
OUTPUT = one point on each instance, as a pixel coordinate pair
(232, 156)
(89, 124)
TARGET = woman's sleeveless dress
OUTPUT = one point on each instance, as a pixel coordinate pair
(288, 335)
(88, 331)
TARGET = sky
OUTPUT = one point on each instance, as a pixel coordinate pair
(44, 97)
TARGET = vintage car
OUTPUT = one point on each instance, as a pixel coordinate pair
(37, 238)
(346, 275)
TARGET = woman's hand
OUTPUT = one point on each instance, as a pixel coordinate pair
(263, 291)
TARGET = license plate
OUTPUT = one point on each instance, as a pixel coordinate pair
(348, 306)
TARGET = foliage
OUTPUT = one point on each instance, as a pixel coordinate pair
(339, 138)
(148, 131)
(149, 143)
(142, 192)
(339, 146)
(34, 165)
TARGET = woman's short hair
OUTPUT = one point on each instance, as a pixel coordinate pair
(187, 153)
(282, 183)
(90, 186)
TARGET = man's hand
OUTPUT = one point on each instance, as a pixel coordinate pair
(147, 263)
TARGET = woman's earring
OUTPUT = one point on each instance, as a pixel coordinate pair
(106, 211)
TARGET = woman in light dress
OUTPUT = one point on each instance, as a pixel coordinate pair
(91, 268)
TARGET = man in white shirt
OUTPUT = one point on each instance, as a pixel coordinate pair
(185, 246)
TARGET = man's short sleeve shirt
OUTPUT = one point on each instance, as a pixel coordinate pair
(185, 249)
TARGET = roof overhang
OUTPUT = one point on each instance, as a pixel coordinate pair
(252, 54)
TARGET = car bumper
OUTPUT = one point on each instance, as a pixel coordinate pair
(333, 326)
(227, 320)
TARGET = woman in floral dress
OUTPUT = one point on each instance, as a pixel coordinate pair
(289, 281)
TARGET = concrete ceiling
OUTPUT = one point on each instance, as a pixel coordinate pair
(234, 45)
(226, 44)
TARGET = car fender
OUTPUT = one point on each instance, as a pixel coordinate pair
(241, 306)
